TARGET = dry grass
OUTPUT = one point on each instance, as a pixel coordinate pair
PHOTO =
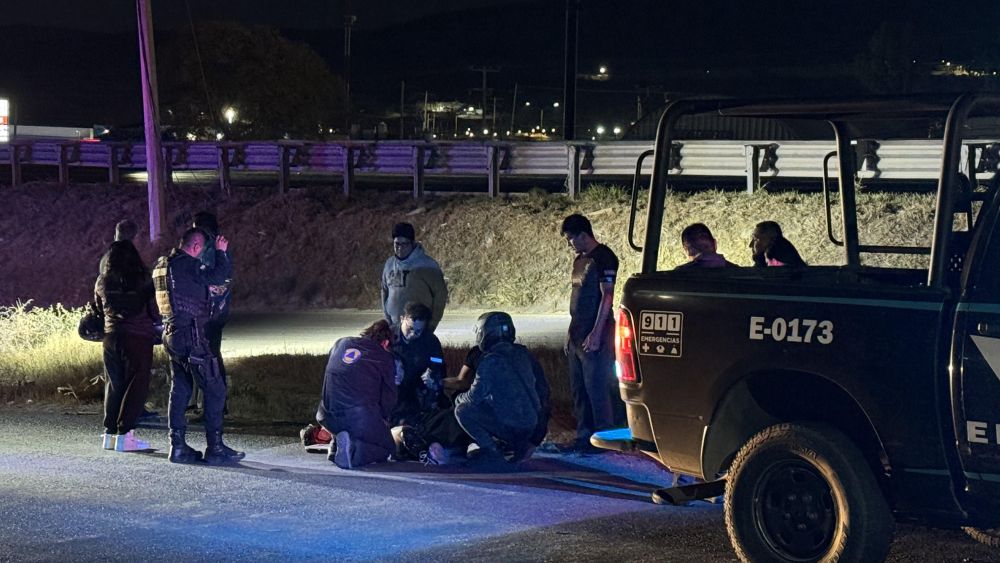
(311, 248)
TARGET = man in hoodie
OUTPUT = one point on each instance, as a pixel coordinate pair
(411, 275)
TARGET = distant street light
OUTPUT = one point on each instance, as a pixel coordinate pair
(555, 104)
(602, 70)
(230, 114)
(527, 104)
(600, 129)
(617, 130)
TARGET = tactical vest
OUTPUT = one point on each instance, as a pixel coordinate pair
(174, 302)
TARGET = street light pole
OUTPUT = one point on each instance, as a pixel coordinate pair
(349, 20)
(569, 84)
(151, 119)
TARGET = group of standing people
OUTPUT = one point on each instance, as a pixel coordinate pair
(184, 302)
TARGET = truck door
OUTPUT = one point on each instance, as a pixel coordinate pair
(976, 370)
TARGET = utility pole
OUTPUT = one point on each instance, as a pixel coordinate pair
(349, 20)
(402, 108)
(151, 118)
(513, 110)
(569, 84)
(484, 70)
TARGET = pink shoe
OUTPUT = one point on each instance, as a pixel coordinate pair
(129, 443)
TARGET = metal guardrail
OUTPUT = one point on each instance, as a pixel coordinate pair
(752, 162)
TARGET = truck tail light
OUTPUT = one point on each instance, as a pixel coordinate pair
(624, 355)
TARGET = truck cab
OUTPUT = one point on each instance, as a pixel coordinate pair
(827, 401)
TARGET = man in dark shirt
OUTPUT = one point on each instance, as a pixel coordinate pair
(589, 343)
(420, 352)
(183, 296)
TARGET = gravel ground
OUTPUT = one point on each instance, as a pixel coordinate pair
(62, 498)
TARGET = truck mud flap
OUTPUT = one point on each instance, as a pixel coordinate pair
(620, 439)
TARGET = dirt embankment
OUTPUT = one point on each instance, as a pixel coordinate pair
(311, 248)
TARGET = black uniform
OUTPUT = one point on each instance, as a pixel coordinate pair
(182, 293)
(416, 401)
(359, 392)
(592, 378)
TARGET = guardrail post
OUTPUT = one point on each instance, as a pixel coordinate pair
(418, 171)
(753, 173)
(348, 170)
(224, 163)
(168, 165)
(493, 170)
(573, 171)
(284, 167)
(15, 162)
(114, 171)
(63, 165)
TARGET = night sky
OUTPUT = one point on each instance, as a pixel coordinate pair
(69, 62)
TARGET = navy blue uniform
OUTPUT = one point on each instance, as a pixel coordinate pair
(359, 392)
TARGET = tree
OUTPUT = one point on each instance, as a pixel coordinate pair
(275, 88)
(887, 66)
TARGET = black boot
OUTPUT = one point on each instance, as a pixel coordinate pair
(218, 453)
(180, 452)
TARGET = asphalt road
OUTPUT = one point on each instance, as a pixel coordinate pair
(63, 498)
(314, 332)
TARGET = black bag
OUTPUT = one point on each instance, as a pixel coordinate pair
(91, 327)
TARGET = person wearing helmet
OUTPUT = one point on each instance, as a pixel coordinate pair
(504, 403)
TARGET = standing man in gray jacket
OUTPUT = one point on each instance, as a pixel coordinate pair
(411, 275)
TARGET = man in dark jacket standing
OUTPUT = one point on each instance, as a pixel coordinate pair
(589, 342)
(359, 391)
(182, 293)
(504, 402)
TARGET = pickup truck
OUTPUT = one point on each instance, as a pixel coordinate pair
(829, 401)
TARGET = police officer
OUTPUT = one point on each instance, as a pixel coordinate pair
(221, 296)
(509, 395)
(184, 298)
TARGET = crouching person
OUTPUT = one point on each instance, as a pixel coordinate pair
(503, 403)
(359, 393)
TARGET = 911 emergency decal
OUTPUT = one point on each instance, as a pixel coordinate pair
(780, 329)
(660, 333)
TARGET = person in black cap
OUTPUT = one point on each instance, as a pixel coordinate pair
(411, 275)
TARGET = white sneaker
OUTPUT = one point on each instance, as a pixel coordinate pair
(107, 441)
(129, 443)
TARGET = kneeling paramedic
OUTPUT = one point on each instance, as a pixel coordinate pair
(183, 296)
(359, 392)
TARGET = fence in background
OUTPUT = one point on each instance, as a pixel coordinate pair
(738, 162)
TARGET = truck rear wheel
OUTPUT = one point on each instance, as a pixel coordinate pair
(804, 493)
(988, 536)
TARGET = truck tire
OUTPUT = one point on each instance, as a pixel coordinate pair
(803, 493)
(987, 536)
